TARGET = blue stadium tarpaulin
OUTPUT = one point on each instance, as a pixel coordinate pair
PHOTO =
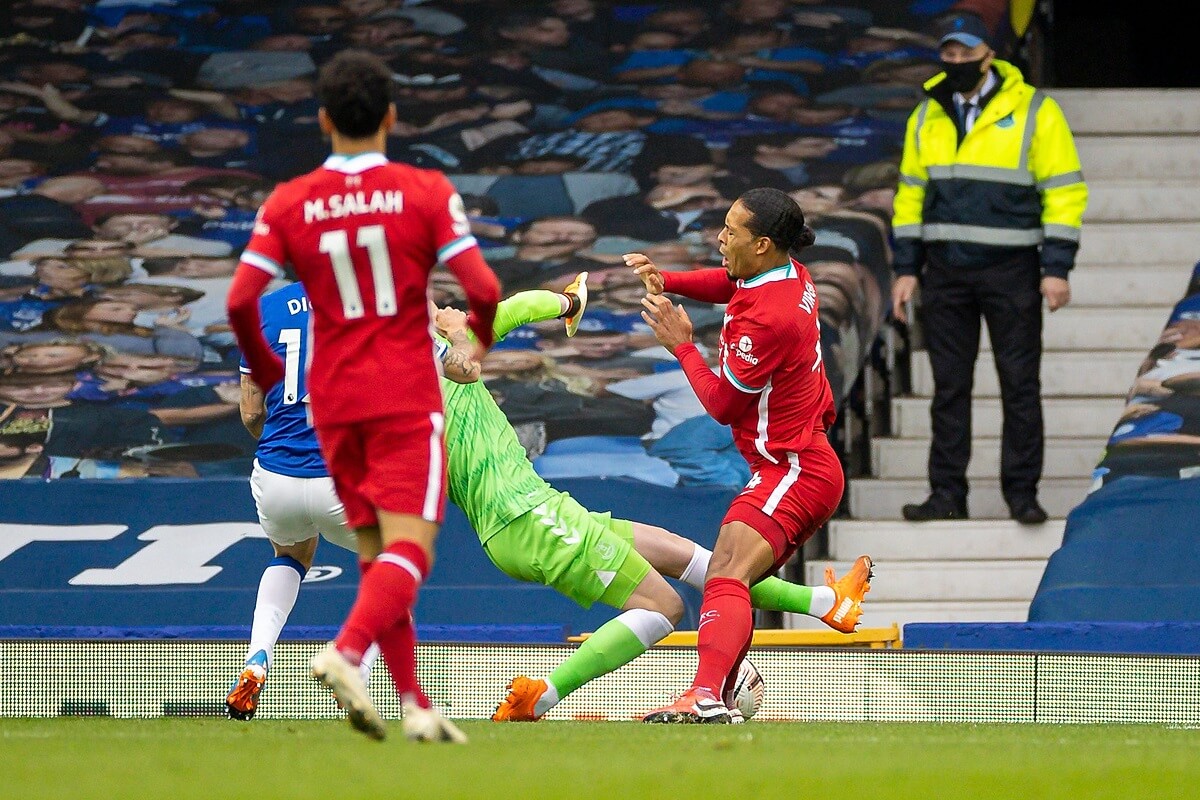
(1129, 553)
(164, 558)
(1129, 550)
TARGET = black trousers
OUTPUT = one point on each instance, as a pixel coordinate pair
(1008, 296)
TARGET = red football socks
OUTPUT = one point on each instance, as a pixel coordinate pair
(726, 624)
(386, 595)
(398, 647)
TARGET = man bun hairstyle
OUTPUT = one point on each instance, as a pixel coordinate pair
(355, 89)
(778, 217)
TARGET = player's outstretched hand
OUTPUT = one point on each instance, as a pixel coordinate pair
(645, 269)
(670, 323)
(449, 320)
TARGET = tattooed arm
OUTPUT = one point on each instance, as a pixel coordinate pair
(458, 364)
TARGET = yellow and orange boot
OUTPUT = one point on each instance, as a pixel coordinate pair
(242, 700)
(518, 706)
(848, 593)
(579, 289)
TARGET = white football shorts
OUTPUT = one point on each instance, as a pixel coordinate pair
(293, 510)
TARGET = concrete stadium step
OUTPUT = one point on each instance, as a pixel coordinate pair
(1079, 327)
(1104, 284)
(1129, 111)
(1139, 157)
(951, 540)
(1064, 374)
(1093, 417)
(906, 458)
(1013, 580)
(885, 614)
(882, 498)
(1140, 243)
(1166, 199)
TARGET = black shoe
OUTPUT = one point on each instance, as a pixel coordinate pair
(1028, 512)
(934, 507)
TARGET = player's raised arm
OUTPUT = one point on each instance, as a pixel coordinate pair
(721, 398)
(261, 261)
(247, 286)
(459, 251)
(458, 360)
(706, 285)
(482, 288)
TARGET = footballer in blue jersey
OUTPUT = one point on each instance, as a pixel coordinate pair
(293, 492)
(288, 444)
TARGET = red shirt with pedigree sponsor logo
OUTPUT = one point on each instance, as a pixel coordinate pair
(771, 346)
(362, 234)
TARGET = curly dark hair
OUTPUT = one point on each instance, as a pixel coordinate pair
(355, 89)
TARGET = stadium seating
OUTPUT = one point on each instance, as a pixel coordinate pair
(186, 114)
(138, 140)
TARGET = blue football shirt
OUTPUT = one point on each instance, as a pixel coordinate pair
(288, 444)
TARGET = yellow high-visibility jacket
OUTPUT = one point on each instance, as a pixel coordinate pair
(1013, 182)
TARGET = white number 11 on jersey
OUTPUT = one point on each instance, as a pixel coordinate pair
(336, 244)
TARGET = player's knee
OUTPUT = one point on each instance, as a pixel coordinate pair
(655, 594)
(674, 609)
(304, 551)
(668, 603)
(740, 553)
(721, 563)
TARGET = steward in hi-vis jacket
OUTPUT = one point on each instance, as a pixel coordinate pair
(987, 218)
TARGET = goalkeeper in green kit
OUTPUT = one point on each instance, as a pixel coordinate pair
(534, 533)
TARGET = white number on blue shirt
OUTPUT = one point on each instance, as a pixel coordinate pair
(290, 339)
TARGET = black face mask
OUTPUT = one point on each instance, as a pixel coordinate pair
(963, 76)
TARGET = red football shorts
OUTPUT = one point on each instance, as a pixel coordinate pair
(395, 463)
(788, 502)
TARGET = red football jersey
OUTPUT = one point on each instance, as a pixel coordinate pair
(362, 234)
(771, 346)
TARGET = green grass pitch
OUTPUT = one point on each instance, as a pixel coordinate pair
(213, 758)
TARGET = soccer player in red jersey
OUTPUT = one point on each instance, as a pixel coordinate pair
(362, 234)
(771, 388)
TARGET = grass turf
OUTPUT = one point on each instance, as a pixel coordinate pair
(217, 758)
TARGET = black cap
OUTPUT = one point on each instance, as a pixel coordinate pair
(966, 29)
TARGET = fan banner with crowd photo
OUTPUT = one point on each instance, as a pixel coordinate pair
(183, 558)
(1144, 496)
(137, 142)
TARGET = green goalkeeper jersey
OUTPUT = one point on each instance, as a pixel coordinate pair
(491, 479)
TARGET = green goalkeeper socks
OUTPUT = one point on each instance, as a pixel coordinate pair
(769, 594)
(614, 644)
(776, 594)
(611, 646)
(535, 305)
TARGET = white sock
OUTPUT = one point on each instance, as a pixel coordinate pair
(694, 572)
(547, 701)
(368, 661)
(277, 592)
(822, 601)
(648, 626)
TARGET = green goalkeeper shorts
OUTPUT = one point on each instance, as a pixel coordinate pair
(584, 555)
